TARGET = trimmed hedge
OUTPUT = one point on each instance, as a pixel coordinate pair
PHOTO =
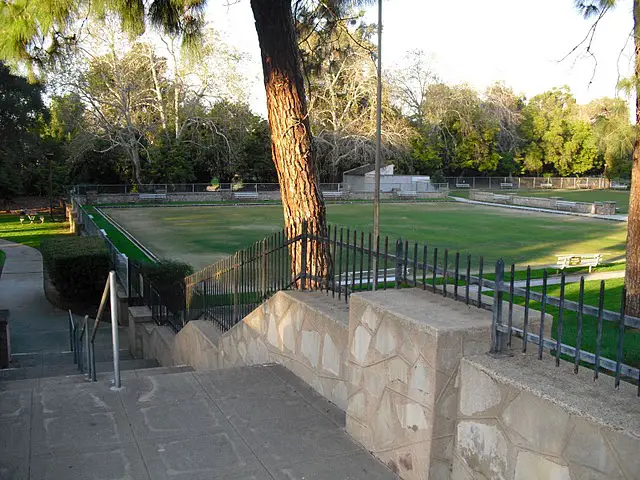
(77, 266)
(166, 273)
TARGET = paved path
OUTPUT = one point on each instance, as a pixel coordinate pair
(588, 277)
(614, 218)
(36, 325)
(555, 280)
(254, 423)
(40, 331)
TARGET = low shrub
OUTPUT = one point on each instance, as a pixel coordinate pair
(167, 278)
(77, 266)
(166, 273)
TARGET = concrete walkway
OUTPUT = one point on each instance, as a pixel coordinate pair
(40, 331)
(253, 423)
(36, 325)
(588, 277)
(614, 218)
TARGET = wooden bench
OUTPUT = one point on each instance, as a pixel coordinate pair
(152, 196)
(506, 185)
(578, 260)
(546, 185)
(332, 195)
(561, 204)
(246, 195)
(462, 185)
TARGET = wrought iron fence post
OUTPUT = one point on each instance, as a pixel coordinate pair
(303, 255)
(498, 338)
(235, 288)
(129, 280)
(399, 253)
(264, 269)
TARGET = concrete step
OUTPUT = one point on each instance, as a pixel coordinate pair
(132, 364)
(68, 368)
(105, 377)
(52, 359)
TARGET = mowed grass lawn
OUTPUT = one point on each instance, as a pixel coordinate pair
(613, 295)
(30, 233)
(202, 235)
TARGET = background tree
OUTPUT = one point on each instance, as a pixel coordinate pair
(557, 140)
(410, 85)
(340, 73)
(598, 8)
(21, 149)
(614, 135)
(24, 24)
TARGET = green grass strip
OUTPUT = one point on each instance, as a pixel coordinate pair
(613, 294)
(536, 274)
(119, 240)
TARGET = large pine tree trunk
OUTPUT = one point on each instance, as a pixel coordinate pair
(632, 274)
(290, 132)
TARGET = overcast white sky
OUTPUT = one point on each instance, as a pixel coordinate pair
(518, 42)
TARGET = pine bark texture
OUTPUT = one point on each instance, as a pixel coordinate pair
(291, 140)
(632, 274)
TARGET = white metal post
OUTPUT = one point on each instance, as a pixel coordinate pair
(114, 328)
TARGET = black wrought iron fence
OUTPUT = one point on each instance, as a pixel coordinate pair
(334, 260)
(118, 260)
(166, 302)
(594, 332)
(341, 261)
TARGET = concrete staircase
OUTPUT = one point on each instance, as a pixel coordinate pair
(58, 364)
(253, 423)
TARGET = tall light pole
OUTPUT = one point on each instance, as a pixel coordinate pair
(376, 187)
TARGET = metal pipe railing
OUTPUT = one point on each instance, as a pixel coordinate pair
(114, 330)
(110, 291)
(72, 334)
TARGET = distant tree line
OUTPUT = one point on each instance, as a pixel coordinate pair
(136, 112)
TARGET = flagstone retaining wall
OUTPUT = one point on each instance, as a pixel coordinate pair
(597, 208)
(411, 372)
(524, 419)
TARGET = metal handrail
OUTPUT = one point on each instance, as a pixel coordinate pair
(108, 292)
(103, 302)
(72, 334)
(79, 346)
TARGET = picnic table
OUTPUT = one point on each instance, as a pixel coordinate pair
(32, 216)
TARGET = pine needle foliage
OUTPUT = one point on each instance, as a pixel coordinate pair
(35, 31)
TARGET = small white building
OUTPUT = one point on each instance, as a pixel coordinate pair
(362, 179)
